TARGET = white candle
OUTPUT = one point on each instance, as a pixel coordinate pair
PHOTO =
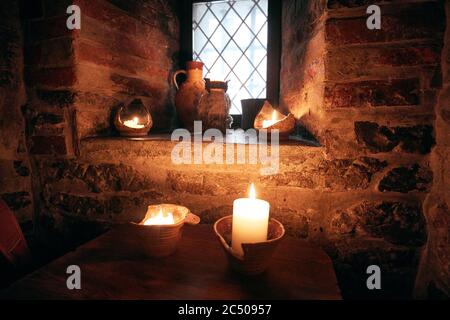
(268, 123)
(133, 123)
(250, 221)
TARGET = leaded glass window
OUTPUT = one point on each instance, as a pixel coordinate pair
(230, 38)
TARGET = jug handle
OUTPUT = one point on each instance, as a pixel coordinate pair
(175, 75)
(119, 111)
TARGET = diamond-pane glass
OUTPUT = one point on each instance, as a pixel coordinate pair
(230, 38)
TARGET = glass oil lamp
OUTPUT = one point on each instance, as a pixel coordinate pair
(133, 120)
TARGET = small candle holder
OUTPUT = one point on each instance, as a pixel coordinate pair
(161, 239)
(133, 120)
(256, 255)
(271, 119)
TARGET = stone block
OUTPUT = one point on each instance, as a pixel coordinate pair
(396, 222)
(336, 175)
(399, 92)
(47, 145)
(423, 20)
(376, 138)
(406, 179)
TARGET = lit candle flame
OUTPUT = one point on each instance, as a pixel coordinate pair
(160, 219)
(252, 192)
(134, 123)
(271, 122)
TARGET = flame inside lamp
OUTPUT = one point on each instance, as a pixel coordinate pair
(133, 119)
(133, 123)
(160, 219)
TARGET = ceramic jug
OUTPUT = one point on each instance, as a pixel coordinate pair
(189, 93)
(214, 106)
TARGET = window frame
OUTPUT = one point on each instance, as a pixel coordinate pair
(273, 44)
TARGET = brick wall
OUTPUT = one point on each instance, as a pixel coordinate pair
(15, 182)
(375, 93)
(50, 76)
(125, 49)
(76, 78)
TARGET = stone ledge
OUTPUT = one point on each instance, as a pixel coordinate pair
(155, 151)
(237, 138)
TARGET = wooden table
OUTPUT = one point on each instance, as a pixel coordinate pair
(113, 266)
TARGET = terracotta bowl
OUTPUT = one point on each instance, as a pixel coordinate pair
(285, 124)
(256, 255)
(162, 240)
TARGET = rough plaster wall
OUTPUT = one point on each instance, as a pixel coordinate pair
(434, 277)
(302, 61)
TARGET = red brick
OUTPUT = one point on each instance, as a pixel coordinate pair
(55, 77)
(139, 87)
(52, 53)
(354, 62)
(48, 145)
(118, 60)
(423, 20)
(334, 4)
(108, 15)
(156, 13)
(412, 56)
(54, 8)
(104, 57)
(147, 46)
(376, 138)
(400, 92)
(48, 124)
(57, 98)
(48, 29)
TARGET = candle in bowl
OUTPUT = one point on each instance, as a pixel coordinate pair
(160, 219)
(250, 221)
(269, 123)
(133, 123)
(160, 229)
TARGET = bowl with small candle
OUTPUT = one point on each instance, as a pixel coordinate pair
(133, 119)
(270, 119)
(248, 237)
(161, 228)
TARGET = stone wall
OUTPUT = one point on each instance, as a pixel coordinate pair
(15, 182)
(331, 202)
(374, 93)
